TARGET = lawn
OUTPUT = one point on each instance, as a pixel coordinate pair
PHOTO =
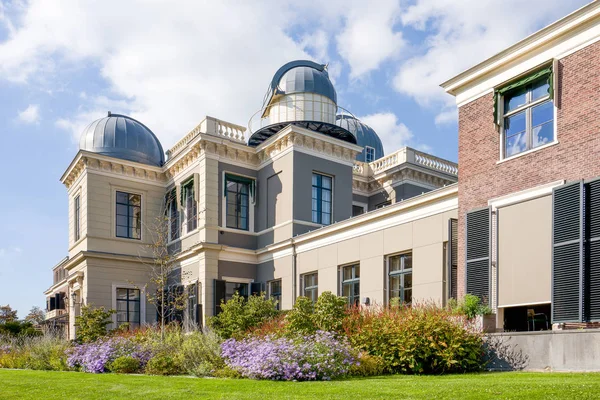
(511, 385)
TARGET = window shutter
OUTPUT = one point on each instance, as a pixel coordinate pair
(52, 303)
(478, 253)
(452, 258)
(592, 277)
(196, 187)
(219, 295)
(179, 196)
(567, 252)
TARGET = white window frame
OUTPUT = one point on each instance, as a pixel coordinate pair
(367, 148)
(528, 122)
(364, 206)
(387, 272)
(303, 286)
(332, 197)
(270, 292)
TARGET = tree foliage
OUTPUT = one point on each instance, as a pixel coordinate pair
(92, 322)
(7, 314)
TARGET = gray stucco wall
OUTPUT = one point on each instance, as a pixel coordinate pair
(304, 166)
(237, 270)
(571, 350)
(377, 198)
(407, 190)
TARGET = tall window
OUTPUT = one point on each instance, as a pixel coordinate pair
(400, 277)
(237, 193)
(351, 284)
(128, 307)
(77, 210)
(321, 199)
(528, 117)
(369, 154)
(310, 286)
(275, 292)
(173, 215)
(191, 207)
(192, 309)
(129, 215)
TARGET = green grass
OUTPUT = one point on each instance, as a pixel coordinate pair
(17, 384)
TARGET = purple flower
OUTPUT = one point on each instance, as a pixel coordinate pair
(93, 357)
(321, 356)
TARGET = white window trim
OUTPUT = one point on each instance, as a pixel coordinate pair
(123, 285)
(303, 287)
(78, 192)
(374, 154)
(364, 206)
(386, 285)
(251, 205)
(183, 229)
(529, 106)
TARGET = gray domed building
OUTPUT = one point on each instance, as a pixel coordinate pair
(122, 137)
(365, 136)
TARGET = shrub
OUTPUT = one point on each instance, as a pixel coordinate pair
(471, 306)
(45, 352)
(201, 353)
(95, 357)
(315, 357)
(18, 328)
(300, 319)
(124, 365)
(330, 311)
(368, 365)
(238, 314)
(418, 339)
(91, 324)
(162, 364)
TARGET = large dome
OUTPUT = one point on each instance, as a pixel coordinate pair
(122, 137)
(365, 136)
(302, 77)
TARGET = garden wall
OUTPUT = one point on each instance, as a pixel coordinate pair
(572, 350)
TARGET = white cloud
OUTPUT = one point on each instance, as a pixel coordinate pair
(393, 134)
(30, 115)
(368, 37)
(460, 34)
(446, 116)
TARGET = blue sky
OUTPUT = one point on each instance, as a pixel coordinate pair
(65, 63)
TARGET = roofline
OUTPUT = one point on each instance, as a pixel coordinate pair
(544, 35)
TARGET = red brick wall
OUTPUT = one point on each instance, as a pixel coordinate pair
(576, 156)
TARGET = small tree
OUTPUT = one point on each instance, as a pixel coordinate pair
(36, 316)
(92, 323)
(168, 300)
(7, 314)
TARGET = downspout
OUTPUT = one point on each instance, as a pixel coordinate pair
(294, 278)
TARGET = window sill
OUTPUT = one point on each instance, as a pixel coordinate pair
(529, 151)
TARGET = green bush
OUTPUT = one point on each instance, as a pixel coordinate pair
(18, 328)
(300, 318)
(201, 353)
(368, 365)
(238, 314)
(47, 352)
(420, 339)
(124, 365)
(330, 311)
(162, 364)
(92, 322)
(471, 306)
(227, 372)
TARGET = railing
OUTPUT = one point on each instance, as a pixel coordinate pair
(401, 156)
(438, 164)
(211, 126)
(258, 122)
(55, 313)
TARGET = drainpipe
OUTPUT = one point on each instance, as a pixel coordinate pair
(294, 279)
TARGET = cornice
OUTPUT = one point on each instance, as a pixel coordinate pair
(406, 172)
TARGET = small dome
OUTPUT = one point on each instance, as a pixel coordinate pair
(302, 76)
(365, 136)
(122, 137)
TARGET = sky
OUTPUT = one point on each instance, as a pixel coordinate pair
(64, 64)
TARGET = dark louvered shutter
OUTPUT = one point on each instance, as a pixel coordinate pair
(478, 253)
(452, 258)
(567, 252)
(592, 276)
(219, 295)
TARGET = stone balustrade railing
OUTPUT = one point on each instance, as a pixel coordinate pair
(401, 156)
(210, 126)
